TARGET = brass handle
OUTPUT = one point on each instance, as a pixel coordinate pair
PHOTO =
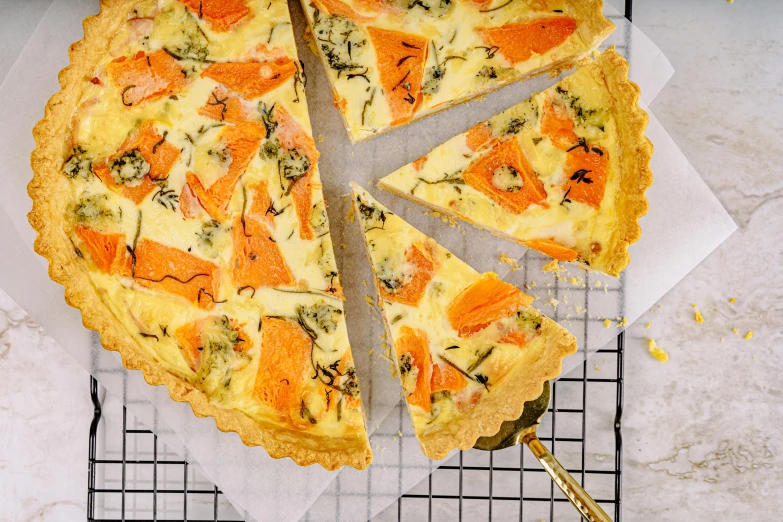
(573, 491)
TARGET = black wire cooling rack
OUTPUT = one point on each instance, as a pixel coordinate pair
(142, 480)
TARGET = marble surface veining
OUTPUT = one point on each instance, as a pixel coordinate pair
(703, 433)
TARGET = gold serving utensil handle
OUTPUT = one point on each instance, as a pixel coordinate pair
(583, 502)
(523, 430)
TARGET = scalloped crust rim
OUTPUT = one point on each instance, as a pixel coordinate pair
(50, 192)
(596, 29)
(544, 362)
(635, 174)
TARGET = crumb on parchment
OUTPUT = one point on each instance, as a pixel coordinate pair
(607, 323)
(656, 351)
(698, 317)
(733, 300)
(510, 262)
(648, 325)
(749, 335)
(735, 330)
(552, 266)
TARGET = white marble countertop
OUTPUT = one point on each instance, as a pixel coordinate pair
(703, 433)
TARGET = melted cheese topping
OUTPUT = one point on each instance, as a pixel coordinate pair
(482, 359)
(459, 65)
(573, 224)
(158, 320)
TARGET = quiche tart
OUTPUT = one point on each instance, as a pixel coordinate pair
(177, 198)
(390, 62)
(563, 172)
(470, 350)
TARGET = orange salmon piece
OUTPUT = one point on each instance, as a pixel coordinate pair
(258, 209)
(483, 303)
(188, 202)
(257, 261)
(558, 125)
(135, 193)
(146, 77)
(414, 342)
(224, 106)
(243, 141)
(283, 366)
(419, 163)
(552, 249)
(401, 58)
(587, 173)
(478, 136)
(336, 7)
(446, 378)
(517, 42)
(413, 291)
(508, 153)
(221, 15)
(251, 79)
(293, 137)
(189, 340)
(160, 267)
(159, 153)
(517, 338)
(108, 251)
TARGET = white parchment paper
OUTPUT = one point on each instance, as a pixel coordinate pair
(264, 489)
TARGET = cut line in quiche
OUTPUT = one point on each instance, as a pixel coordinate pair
(390, 62)
(563, 173)
(177, 198)
(469, 348)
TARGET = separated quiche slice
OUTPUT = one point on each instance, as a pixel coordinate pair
(563, 172)
(177, 197)
(390, 62)
(470, 350)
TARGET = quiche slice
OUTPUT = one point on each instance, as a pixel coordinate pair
(470, 350)
(563, 172)
(390, 62)
(177, 198)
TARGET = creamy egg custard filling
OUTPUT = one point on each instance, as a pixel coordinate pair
(178, 199)
(470, 350)
(392, 61)
(563, 172)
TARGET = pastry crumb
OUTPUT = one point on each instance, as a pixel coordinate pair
(735, 330)
(694, 305)
(723, 339)
(622, 321)
(648, 325)
(699, 318)
(656, 351)
(552, 266)
(364, 282)
(598, 284)
(321, 138)
(510, 262)
(554, 302)
(733, 300)
(607, 323)
(369, 300)
(749, 335)
(399, 433)
(343, 246)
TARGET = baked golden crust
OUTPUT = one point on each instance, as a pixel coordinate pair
(49, 191)
(507, 400)
(636, 152)
(594, 28)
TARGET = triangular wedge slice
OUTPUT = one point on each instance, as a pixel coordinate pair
(391, 62)
(469, 348)
(563, 172)
(177, 198)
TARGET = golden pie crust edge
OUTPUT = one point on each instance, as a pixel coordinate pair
(594, 31)
(636, 176)
(506, 401)
(50, 193)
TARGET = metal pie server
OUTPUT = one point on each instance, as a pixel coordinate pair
(523, 430)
